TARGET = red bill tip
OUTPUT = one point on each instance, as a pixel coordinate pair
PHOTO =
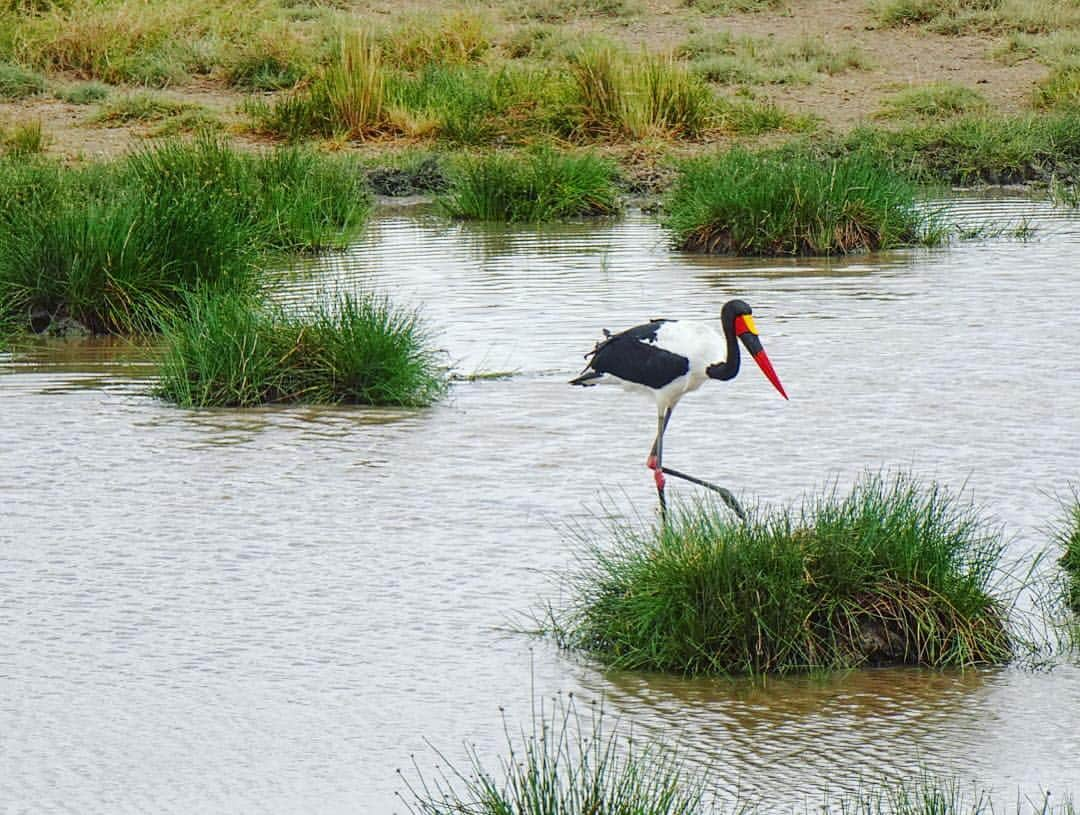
(762, 359)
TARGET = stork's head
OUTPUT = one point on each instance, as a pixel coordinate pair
(737, 314)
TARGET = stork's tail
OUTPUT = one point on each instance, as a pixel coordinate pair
(585, 377)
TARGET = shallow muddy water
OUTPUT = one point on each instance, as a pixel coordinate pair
(271, 610)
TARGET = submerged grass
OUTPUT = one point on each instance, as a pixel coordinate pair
(226, 350)
(893, 573)
(566, 763)
(541, 185)
(793, 204)
(115, 246)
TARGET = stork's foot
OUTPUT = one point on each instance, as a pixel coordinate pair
(658, 477)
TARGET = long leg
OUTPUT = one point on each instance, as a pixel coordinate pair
(656, 458)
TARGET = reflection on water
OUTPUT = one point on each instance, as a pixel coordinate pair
(270, 610)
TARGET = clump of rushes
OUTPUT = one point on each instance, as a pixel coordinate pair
(25, 139)
(224, 349)
(894, 573)
(566, 764)
(542, 185)
(1068, 535)
(747, 203)
(347, 97)
(1002, 150)
(613, 96)
(114, 246)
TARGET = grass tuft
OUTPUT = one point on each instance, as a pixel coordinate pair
(726, 59)
(116, 246)
(17, 82)
(612, 96)
(1004, 150)
(1068, 535)
(83, 93)
(25, 139)
(347, 97)
(140, 107)
(227, 351)
(935, 100)
(567, 763)
(538, 186)
(893, 573)
(767, 204)
(1060, 90)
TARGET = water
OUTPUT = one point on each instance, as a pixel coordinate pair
(271, 610)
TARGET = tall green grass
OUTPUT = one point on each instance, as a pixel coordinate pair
(567, 763)
(771, 204)
(614, 96)
(892, 573)
(114, 246)
(541, 185)
(603, 93)
(225, 349)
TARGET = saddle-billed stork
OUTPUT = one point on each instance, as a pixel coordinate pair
(671, 358)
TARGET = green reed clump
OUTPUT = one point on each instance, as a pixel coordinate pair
(225, 349)
(114, 246)
(347, 97)
(999, 150)
(541, 185)
(567, 763)
(1068, 535)
(893, 573)
(611, 95)
(766, 204)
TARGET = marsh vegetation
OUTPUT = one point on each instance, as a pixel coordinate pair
(893, 573)
(746, 203)
(116, 246)
(574, 762)
(230, 350)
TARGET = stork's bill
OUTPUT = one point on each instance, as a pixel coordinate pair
(746, 331)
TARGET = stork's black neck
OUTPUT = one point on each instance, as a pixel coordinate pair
(729, 367)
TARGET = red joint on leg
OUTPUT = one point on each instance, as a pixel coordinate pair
(651, 463)
(658, 476)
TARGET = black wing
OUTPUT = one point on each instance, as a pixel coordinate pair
(633, 356)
